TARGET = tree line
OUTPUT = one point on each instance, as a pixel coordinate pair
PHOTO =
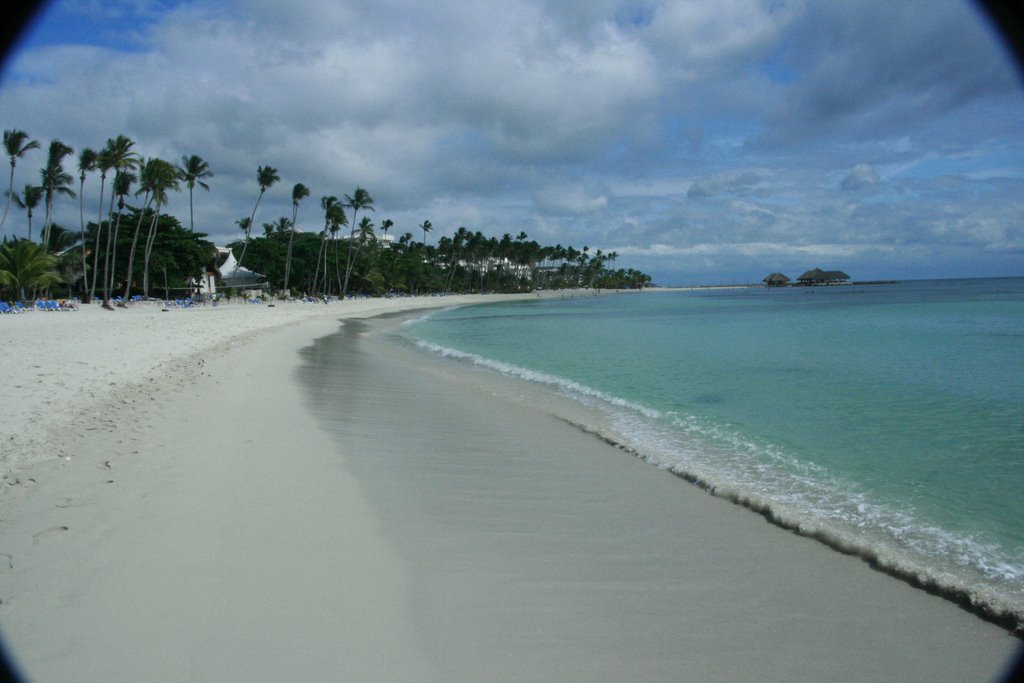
(134, 248)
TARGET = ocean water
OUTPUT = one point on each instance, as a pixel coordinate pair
(886, 421)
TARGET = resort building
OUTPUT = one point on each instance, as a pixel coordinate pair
(231, 275)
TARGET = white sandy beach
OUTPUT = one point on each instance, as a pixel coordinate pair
(177, 511)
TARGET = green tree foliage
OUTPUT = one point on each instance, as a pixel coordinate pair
(25, 266)
(16, 144)
(182, 253)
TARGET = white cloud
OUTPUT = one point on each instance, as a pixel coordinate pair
(718, 130)
(860, 176)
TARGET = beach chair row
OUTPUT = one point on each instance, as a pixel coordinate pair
(46, 305)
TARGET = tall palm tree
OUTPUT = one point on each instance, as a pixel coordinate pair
(266, 176)
(337, 219)
(121, 189)
(24, 264)
(16, 143)
(29, 201)
(164, 177)
(360, 199)
(103, 164)
(54, 181)
(299, 192)
(151, 175)
(86, 163)
(426, 226)
(146, 177)
(193, 169)
(329, 205)
(120, 157)
(386, 225)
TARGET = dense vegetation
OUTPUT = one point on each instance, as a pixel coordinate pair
(134, 248)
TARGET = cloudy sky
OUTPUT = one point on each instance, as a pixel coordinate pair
(704, 141)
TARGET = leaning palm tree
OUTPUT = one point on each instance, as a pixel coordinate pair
(54, 181)
(86, 162)
(360, 199)
(16, 143)
(29, 200)
(266, 176)
(24, 264)
(299, 192)
(193, 169)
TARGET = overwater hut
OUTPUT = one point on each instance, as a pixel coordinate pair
(776, 280)
(823, 277)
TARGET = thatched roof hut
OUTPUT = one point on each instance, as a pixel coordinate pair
(818, 276)
(776, 280)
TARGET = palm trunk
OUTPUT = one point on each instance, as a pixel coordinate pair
(96, 248)
(248, 231)
(291, 237)
(342, 288)
(319, 258)
(153, 227)
(10, 196)
(107, 274)
(131, 256)
(81, 221)
(113, 250)
(46, 225)
(348, 257)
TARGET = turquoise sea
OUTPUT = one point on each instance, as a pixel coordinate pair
(885, 420)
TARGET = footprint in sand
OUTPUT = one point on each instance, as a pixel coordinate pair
(52, 529)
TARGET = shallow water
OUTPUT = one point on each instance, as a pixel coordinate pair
(886, 420)
(538, 552)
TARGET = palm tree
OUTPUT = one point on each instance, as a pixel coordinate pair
(299, 192)
(16, 143)
(120, 157)
(29, 200)
(122, 188)
(329, 205)
(386, 225)
(54, 181)
(193, 169)
(25, 264)
(426, 227)
(164, 177)
(336, 219)
(86, 162)
(156, 176)
(103, 164)
(266, 176)
(360, 199)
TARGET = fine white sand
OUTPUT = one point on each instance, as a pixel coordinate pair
(178, 506)
(171, 511)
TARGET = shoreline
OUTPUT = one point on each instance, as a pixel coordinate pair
(209, 523)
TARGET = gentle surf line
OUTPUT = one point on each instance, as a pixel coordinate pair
(984, 602)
